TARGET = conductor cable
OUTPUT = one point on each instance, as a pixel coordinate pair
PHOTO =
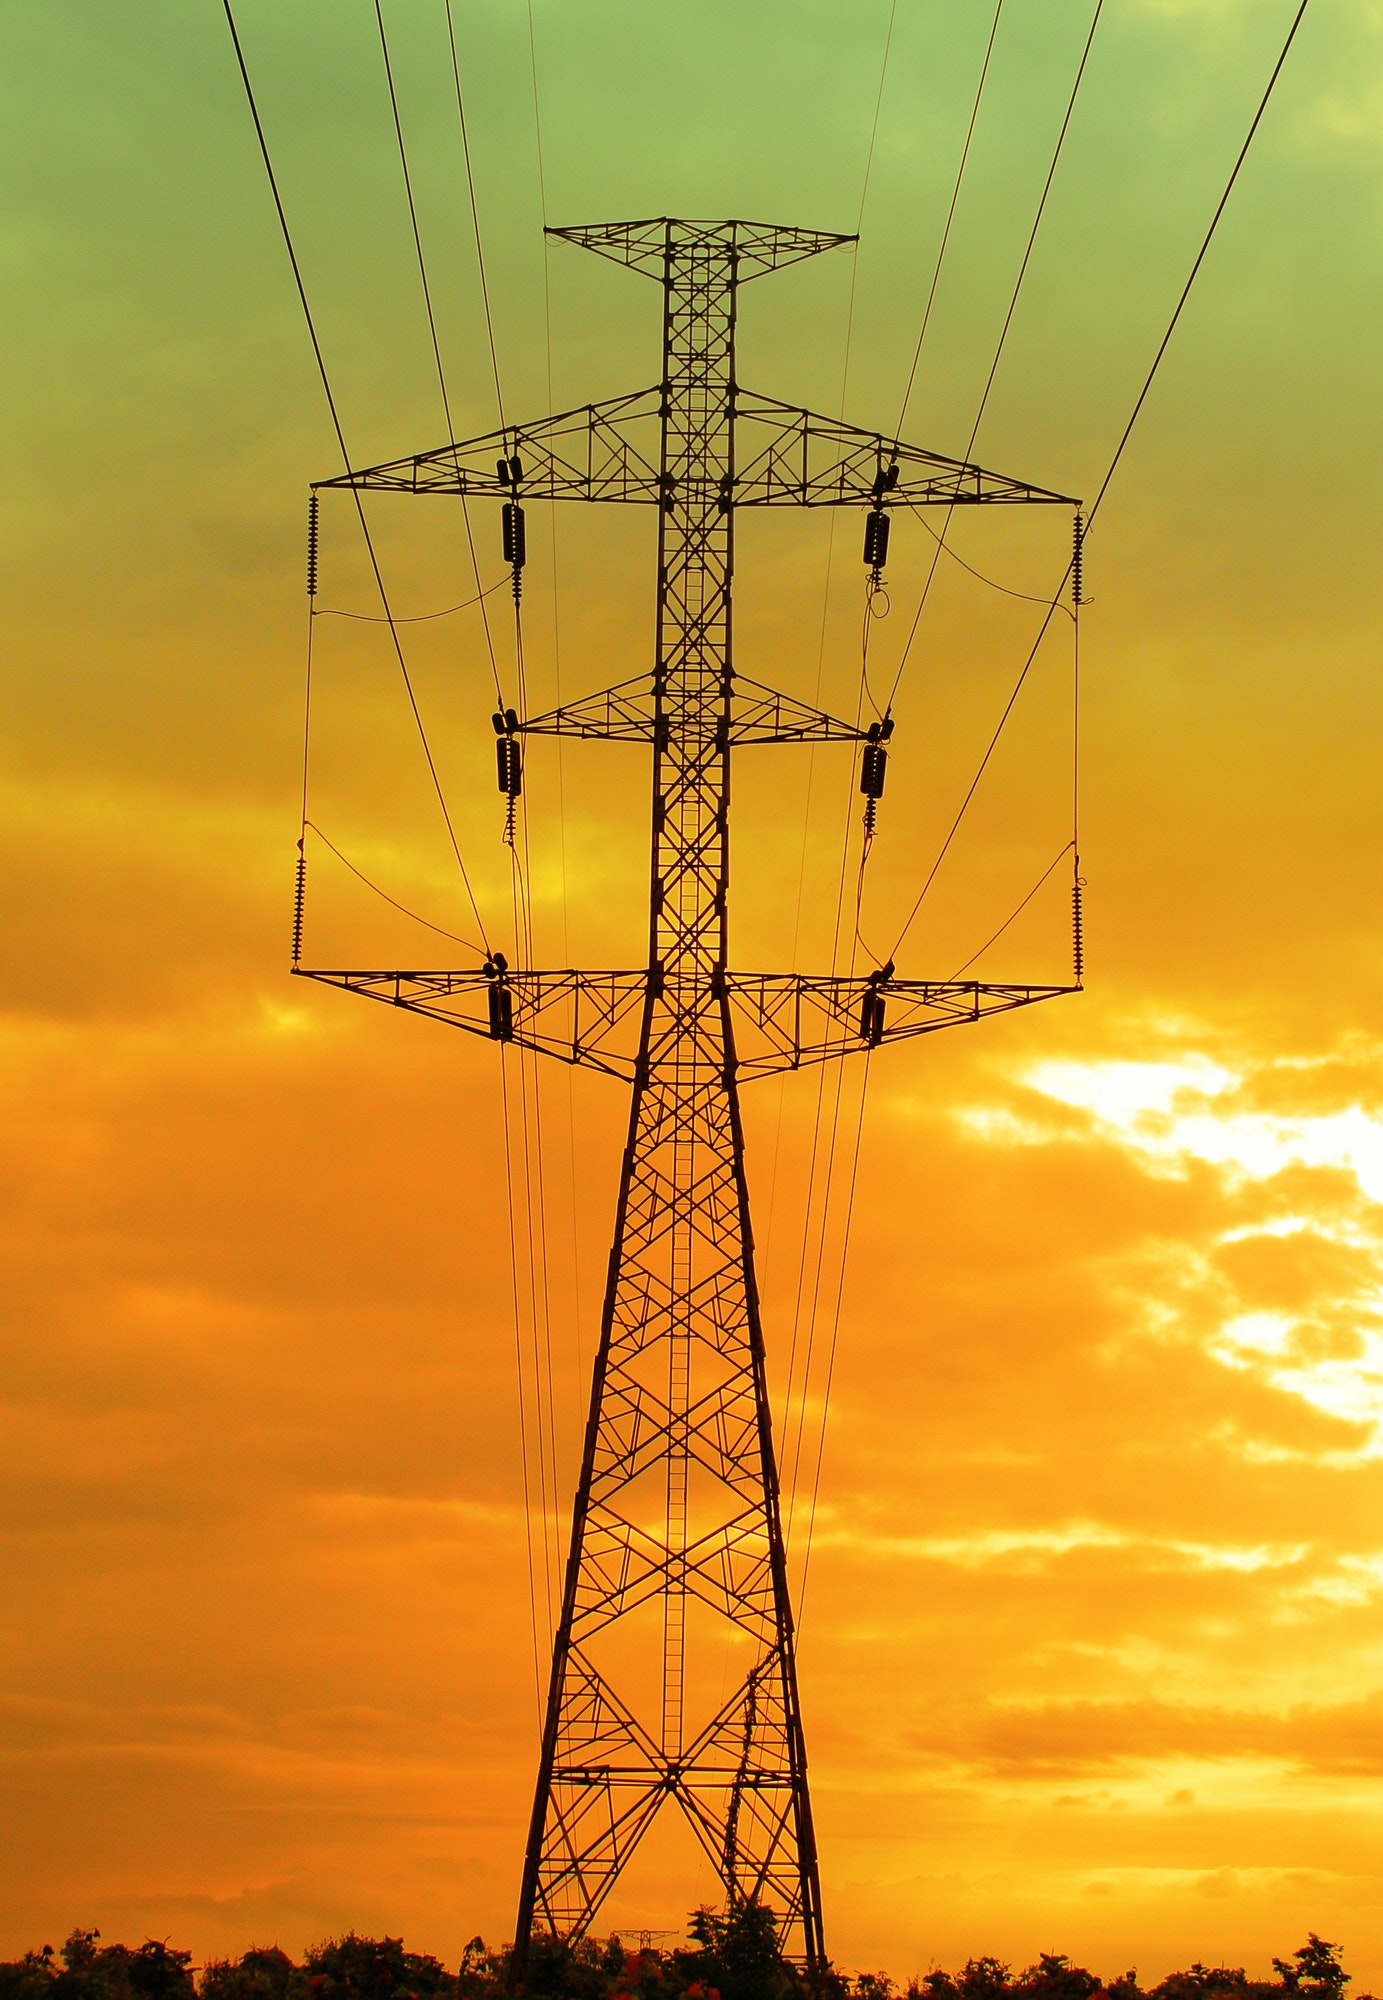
(346, 460)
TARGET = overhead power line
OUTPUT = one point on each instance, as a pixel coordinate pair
(1119, 449)
(950, 216)
(1003, 337)
(346, 461)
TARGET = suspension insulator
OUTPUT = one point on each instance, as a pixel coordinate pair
(312, 545)
(1078, 561)
(872, 1017)
(515, 544)
(1078, 929)
(873, 766)
(501, 1002)
(299, 897)
(509, 759)
(876, 539)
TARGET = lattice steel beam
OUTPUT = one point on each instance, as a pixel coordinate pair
(676, 1515)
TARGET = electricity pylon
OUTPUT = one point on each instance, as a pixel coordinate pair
(676, 1521)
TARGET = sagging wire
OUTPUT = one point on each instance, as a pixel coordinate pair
(510, 754)
(835, 1342)
(806, 825)
(475, 211)
(346, 457)
(950, 215)
(794, 1443)
(432, 328)
(1078, 598)
(557, 670)
(300, 867)
(1081, 534)
(523, 1417)
(418, 617)
(310, 826)
(1003, 337)
(1067, 847)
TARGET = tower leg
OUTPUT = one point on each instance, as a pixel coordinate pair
(677, 1508)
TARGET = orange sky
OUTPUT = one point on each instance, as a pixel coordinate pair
(1091, 1655)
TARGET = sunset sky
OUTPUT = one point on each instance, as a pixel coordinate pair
(1092, 1644)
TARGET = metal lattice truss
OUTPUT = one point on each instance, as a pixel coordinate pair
(676, 1522)
(628, 713)
(780, 1020)
(678, 1512)
(786, 457)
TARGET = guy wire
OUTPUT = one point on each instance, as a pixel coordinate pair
(346, 458)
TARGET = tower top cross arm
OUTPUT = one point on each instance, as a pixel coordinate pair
(751, 248)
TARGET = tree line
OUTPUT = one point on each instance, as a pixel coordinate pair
(732, 1956)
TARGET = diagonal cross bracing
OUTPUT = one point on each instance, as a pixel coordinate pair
(676, 1520)
(678, 1500)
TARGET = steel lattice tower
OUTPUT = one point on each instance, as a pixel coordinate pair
(676, 1517)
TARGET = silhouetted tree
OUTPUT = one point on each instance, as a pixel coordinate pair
(1317, 1969)
(740, 1957)
(978, 1979)
(1202, 1981)
(361, 1968)
(1055, 1978)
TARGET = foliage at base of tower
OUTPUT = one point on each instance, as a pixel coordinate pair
(732, 1955)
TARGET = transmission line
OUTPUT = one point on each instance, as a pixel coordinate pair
(346, 459)
(436, 344)
(475, 212)
(1003, 337)
(1119, 449)
(950, 215)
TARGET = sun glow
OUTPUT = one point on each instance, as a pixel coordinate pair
(1183, 1115)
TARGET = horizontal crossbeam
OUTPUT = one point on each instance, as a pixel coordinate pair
(782, 1020)
(627, 713)
(756, 246)
(785, 456)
